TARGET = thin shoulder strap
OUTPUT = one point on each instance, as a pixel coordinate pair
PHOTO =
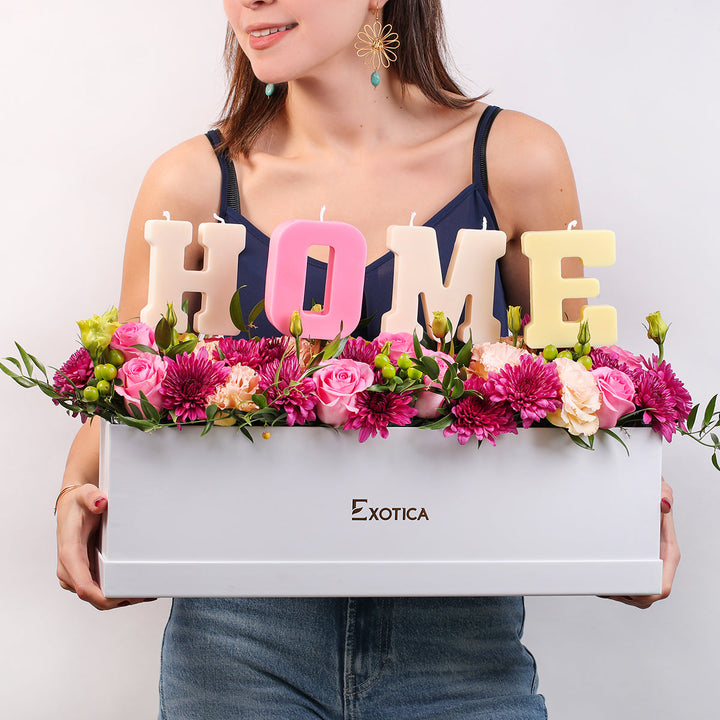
(229, 194)
(480, 147)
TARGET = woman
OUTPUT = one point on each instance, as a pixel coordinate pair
(308, 124)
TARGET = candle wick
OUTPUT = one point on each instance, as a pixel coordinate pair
(166, 214)
(412, 218)
(218, 218)
(322, 213)
(572, 225)
(484, 223)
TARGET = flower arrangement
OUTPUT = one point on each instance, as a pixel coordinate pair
(153, 377)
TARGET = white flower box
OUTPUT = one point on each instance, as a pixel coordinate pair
(313, 512)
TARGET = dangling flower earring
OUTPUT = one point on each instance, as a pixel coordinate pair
(376, 43)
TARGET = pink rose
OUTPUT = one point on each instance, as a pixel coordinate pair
(401, 343)
(337, 383)
(133, 333)
(427, 402)
(616, 395)
(142, 374)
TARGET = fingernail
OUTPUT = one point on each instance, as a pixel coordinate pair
(99, 501)
(666, 505)
(124, 603)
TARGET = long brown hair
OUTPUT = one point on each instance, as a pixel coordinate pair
(421, 62)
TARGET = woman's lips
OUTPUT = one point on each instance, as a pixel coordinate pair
(265, 36)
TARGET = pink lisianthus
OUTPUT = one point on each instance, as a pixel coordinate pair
(142, 374)
(493, 357)
(401, 343)
(237, 391)
(338, 382)
(616, 395)
(427, 402)
(133, 333)
(580, 399)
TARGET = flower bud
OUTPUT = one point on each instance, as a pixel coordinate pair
(170, 316)
(657, 328)
(440, 325)
(317, 307)
(514, 320)
(97, 331)
(296, 327)
(584, 333)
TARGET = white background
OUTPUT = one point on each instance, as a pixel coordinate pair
(92, 92)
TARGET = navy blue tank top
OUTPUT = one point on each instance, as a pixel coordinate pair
(465, 211)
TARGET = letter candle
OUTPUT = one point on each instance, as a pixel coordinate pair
(469, 283)
(545, 251)
(169, 279)
(287, 271)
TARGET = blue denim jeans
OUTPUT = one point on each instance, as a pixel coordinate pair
(348, 659)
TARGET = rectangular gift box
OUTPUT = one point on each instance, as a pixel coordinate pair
(312, 512)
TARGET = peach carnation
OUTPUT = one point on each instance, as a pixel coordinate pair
(237, 392)
(493, 357)
(580, 399)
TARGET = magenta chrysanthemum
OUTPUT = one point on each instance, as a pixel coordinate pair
(360, 350)
(601, 358)
(73, 373)
(189, 381)
(238, 352)
(531, 388)
(271, 349)
(377, 410)
(662, 396)
(479, 417)
(292, 393)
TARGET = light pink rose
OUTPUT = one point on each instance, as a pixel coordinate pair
(580, 399)
(132, 333)
(428, 403)
(143, 373)
(401, 343)
(634, 362)
(338, 382)
(616, 394)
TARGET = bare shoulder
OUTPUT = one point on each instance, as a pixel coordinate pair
(185, 180)
(530, 177)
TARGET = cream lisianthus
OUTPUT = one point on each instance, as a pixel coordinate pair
(580, 399)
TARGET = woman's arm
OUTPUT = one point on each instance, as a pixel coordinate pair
(186, 182)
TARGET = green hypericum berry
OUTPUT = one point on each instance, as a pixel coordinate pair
(103, 387)
(565, 354)
(107, 372)
(388, 372)
(381, 361)
(91, 394)
(404, 362)
(578, 348)
(115, 357)
(550, 352)
(586, 361)
(414, 373)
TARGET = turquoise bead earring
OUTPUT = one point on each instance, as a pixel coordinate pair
(269, 89)
(376, 44)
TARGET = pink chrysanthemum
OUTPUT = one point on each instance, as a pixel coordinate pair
(73, 373)
(360, 350)
(479, 417)
(271, 349)
(291, 393)
(531, 388)
(662, 396)
(238, 352)
(377, 410)
(189, 380)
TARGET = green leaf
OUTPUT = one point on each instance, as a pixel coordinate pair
(715, 462)
(23, 381)
(463, 357)
(256, 311)
(8, 371)
(146, 349)
(430, 367)
(417, 347)
(440, 423)
(260, 401)
(25, 358)
(143, 425)
(709, 410)
(457, 389)
(135, 410)
(149, 410)
(578, 440)
(714, 438)
(236, 314)
(211, 411)
(187, 346)
(163, 333)
(691, 417)
(618, 438)
(15, 362)
(247, 434)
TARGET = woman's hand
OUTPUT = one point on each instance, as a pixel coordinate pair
(79, 513)
(669, 554)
